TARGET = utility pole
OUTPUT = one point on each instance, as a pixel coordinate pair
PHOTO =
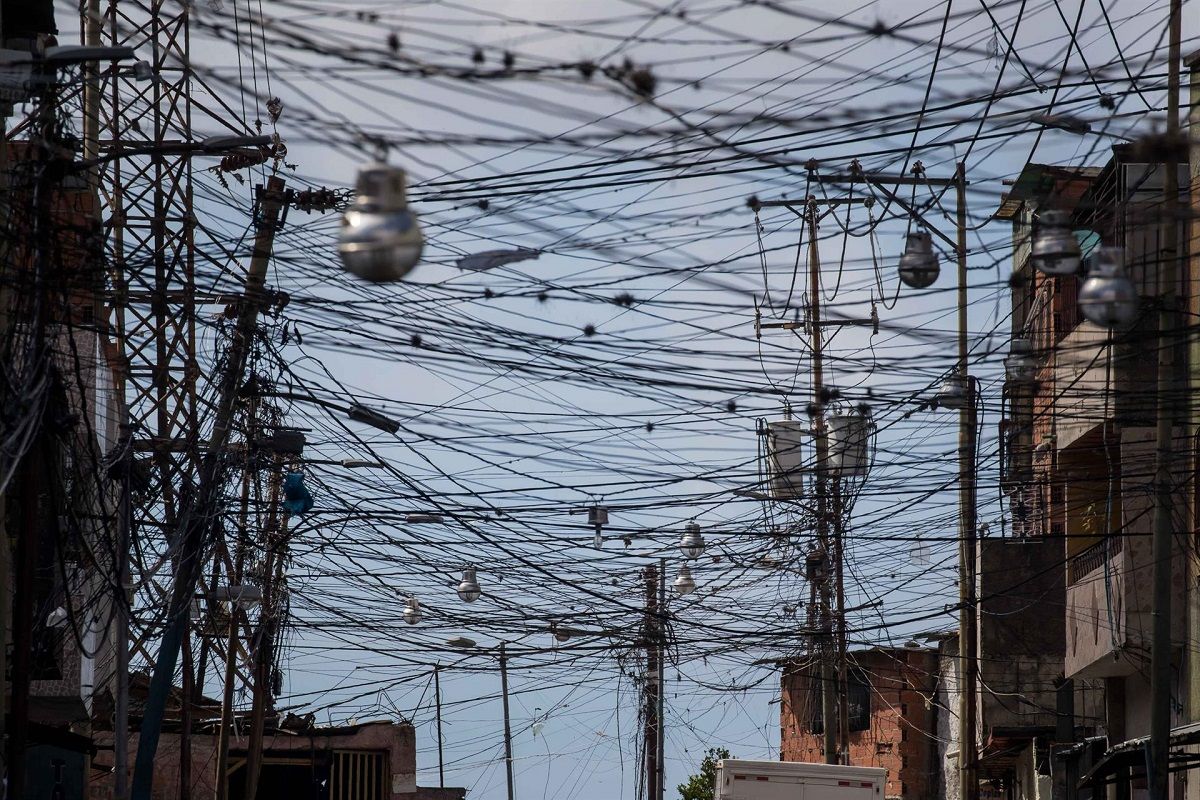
(843, 678)
(1168, 337)
(272, 610)
(652, 721)
(661, 739)
(508, 756)
(437, 696)
(231, 648)
(824, 564)
(967, 429)
(197, 520)
(829, 719)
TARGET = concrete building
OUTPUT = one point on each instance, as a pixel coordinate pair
(892, 716)
(1078, 460)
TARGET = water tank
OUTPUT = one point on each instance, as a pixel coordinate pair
(786, 458)
(849, 444)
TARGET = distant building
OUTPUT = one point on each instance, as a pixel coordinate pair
(891, 711)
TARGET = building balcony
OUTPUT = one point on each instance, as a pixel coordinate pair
(1109, 521)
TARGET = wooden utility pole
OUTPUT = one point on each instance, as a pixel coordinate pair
(1168, 338)
(651, 720)
(275, 541)
(661, 629)
(829, 718)
(968, 427)
(231, 646)
(843, 676)
(437, 696)
(508, 756)
(196, 522)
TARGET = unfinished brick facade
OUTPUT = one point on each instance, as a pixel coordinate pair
(898, 720)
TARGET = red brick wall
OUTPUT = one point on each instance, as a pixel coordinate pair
(901, 735)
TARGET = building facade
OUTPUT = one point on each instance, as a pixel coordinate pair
(891, 712)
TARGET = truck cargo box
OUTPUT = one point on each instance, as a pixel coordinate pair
(739, 779)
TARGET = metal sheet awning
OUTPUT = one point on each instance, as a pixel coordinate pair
(1131, 756)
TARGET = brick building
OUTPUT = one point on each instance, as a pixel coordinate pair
(892, 716)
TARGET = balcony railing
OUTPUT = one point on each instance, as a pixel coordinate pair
(1092, 558)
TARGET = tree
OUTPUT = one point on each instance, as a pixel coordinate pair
(703, 785)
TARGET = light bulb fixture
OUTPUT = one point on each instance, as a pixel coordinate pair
(684, 582)
(1020, 365)
(468, 587)
(380, 239)
(561, 634)
(954, 392)
(692, 543)
(919, 265)
(412, 611)
(1108, 298)
(1055, 249)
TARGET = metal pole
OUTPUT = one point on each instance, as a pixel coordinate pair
(661, 739)
(508, 756)
(1168, 321)
(437, 694)
(968, 637)
(829, 717)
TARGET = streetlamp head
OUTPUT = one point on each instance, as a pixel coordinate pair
(468, 587)
(1020, 365)
(684, 582)
(1055, 249)
(692, 543)
(380, 239)
(1108, 298)
(919, 265)
(412, 611)
(954, 392)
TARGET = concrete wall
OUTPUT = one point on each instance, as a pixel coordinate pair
(901, 736)
(1021, 646)
(946, 719)
(1108, 608)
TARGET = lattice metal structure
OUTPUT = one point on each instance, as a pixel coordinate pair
(150, 227)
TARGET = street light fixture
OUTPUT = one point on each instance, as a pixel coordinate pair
(1055, 249)
(954, 392)
(918, 265)
(380, 240)
(412, 611)
(1108, 298)
(468, 587)
(684, 582)
(692, 543)
(1020, 365)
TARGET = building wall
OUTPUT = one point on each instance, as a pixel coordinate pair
(901, 737)
(398, 740)
(1108, 604)
(946, 699)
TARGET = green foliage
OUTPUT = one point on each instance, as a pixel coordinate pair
(703, 785)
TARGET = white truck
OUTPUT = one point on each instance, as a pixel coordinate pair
(739, 779)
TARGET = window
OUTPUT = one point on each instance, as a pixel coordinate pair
(858, 705)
